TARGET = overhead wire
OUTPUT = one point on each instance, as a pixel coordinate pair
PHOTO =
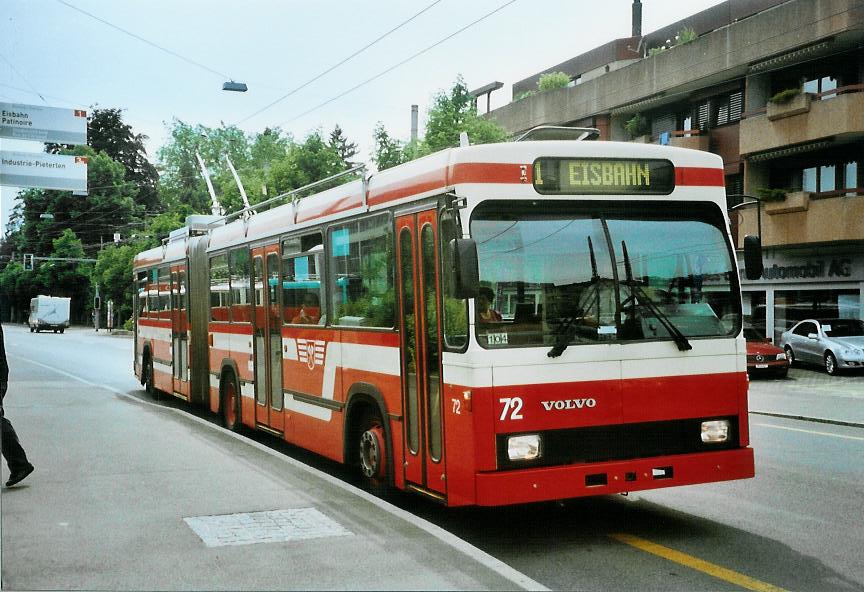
(147, 41)
(401, 63)
(24, 78)
(333, 67)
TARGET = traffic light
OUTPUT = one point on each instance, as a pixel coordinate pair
(97, 302)
(28, 261)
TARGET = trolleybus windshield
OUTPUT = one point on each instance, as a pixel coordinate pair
(589, 272)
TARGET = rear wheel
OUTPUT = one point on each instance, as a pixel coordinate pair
(790, 355)
(61, 331)
(230, 403)
(147, 378)
(32, 329)
(830, 363)
(372, 453)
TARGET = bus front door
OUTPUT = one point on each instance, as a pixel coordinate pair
(267, 331)
(423, 443)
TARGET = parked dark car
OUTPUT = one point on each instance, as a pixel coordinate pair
(835, 344)
(763, 357)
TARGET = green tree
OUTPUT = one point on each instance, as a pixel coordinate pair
(113, 273)
(451, 114)
(108, 133)
(388, 151)
(178, 164)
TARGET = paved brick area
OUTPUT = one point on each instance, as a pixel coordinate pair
(275, 526)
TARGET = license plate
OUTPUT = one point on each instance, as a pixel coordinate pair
(761, 365)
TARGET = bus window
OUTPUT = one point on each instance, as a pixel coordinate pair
(241, 291)
(361, 267)
(219, 288)
(164, 293)
(455, 310)
(301, 290)
(141, 286)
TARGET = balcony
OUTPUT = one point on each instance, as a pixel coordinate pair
(807, 119)
(816, 218)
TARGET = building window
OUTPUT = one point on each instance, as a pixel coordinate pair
(831, 177)
(821, 85)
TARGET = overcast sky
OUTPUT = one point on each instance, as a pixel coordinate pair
(49, 48)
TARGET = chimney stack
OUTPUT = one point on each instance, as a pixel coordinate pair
(637, 18)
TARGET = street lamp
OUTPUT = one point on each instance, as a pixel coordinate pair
(234, 86)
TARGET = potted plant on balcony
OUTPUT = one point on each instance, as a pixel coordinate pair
(637, 126)
(783, 201)
(788, 102)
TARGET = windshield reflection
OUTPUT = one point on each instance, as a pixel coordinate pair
(576, 274)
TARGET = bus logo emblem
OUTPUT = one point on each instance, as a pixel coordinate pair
(311, 352)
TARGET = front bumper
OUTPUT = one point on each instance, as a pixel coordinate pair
(564, 482)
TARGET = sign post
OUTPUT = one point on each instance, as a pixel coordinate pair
(43, 124)
(43, 171)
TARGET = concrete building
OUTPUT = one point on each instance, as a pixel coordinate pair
(776, 88)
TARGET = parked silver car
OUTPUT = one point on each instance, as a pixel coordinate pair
(837, 344)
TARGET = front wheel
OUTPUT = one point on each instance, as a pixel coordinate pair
(372, 454)
(830, 364)
(790, 355)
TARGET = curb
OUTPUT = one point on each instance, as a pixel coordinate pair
(850, 424)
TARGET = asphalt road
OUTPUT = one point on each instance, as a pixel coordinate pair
(796, 526)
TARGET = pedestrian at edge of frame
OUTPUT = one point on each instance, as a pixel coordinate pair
(13, 452)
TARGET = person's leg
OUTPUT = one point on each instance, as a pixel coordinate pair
(13, 452)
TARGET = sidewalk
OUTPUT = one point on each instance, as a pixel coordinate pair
(811, 394)
(131, 495)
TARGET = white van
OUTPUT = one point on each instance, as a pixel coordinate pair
(49, 312)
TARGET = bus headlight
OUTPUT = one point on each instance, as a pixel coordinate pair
(526, 447)
(715, 431)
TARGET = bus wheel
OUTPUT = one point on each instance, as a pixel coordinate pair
(372, 453)
(230, 403)
(147, 378)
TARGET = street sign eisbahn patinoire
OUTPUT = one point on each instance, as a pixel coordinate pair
(43, 124)
(43, 171)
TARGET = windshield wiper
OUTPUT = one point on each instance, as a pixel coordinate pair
(567, 330)
(638, 294)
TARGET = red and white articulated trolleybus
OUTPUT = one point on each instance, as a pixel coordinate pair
(489, 325)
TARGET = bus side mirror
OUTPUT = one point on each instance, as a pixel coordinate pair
(465, 273)
(752, 257)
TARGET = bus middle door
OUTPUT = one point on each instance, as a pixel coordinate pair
(417, 247)
(267, 332)
(179, 332)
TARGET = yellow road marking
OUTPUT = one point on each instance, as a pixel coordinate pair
(686, 560)
(776, 427)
